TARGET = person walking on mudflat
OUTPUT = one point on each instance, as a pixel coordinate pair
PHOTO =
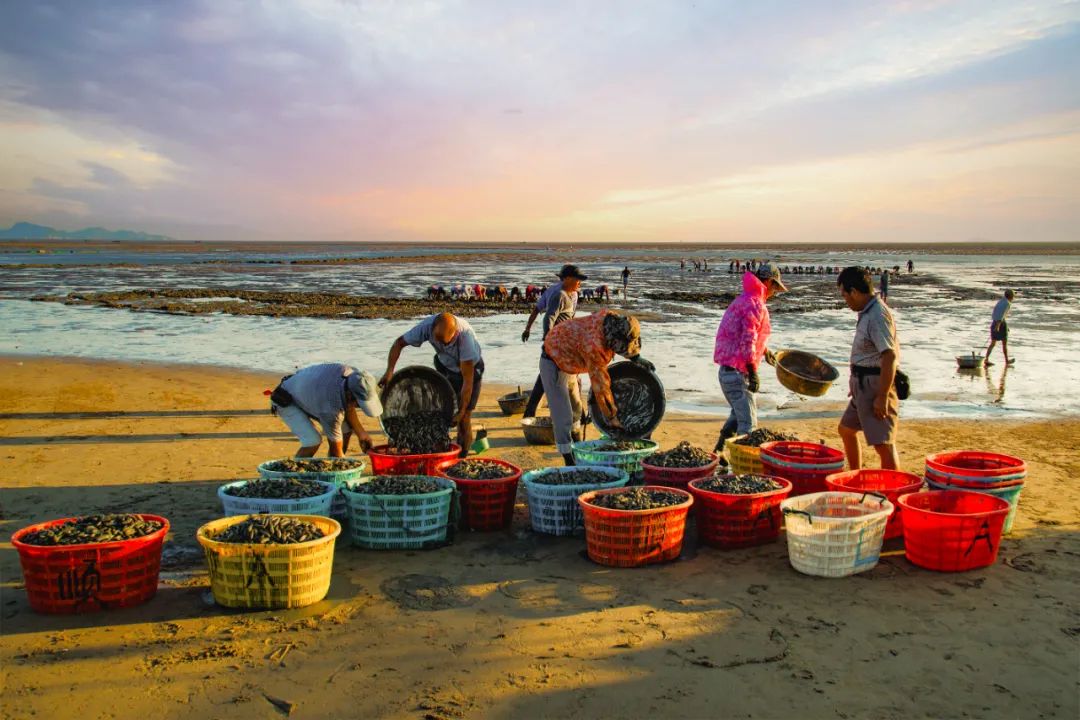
(874, 407)
(625, 279)
(999, 329)
(740, 347)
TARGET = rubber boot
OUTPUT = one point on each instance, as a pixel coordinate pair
(568, 458)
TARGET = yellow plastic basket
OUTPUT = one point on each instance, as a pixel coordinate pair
(744, 459)
(269, 576)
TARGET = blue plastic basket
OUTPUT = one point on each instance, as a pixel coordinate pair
(400, 522)
(629, 461)
(1010, 494)
(317, 505)
(338, 510)
(553, 509)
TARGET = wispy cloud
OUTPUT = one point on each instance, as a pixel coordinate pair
(507, 120)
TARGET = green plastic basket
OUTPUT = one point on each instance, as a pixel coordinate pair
(401, 522)
(629, 461)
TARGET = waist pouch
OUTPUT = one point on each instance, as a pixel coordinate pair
(901, 382)
(280, 396)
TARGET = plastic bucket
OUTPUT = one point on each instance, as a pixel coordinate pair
(674, 477)
(729, 521)
(553, 509)
(269, 576)
(629, 461)
(971, 468)
(890, 483)
(485, 504)
(743, 459)
(400, 522)
(317, 505)
(67, 579)
(835, 534)
(631, 538)
(805, 464)
(1009, 494)
(953, 530)
(385, 463)
(338, 511)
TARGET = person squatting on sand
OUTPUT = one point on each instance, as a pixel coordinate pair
(329, 393)
(457, 358)
(550, 303)
(585, 345)
(741, 346)
(875, 356)
(999, 329)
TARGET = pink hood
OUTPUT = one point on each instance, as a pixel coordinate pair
(744, 329)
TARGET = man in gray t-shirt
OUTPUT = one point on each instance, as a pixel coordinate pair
(457, 358)
(330, 394)
(875, 356)
(557, 303)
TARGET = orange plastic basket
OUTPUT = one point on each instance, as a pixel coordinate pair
(66, 579)
(631, 538)
(890, 483)
(485, 504)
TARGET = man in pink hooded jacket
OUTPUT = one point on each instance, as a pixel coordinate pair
(740, 348)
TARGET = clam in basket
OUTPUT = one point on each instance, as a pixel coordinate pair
(632, 538)
(593, 453)
(359, 467)
(269, 576)
(314, 505)
(553, 508)
(835, 534)
(406, 521)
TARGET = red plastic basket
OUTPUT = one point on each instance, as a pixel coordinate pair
(975, 469)
(677, 478)
(66, 579)
(631, 538)
(952, 530)
(734, 521)
(384, 463)
(805, 464)
(485, 504)
(890, 483)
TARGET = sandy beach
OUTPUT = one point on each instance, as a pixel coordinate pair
(509, 624)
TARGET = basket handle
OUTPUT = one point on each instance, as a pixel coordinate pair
(881, 498)
(809, 517)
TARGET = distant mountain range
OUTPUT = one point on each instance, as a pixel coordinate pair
(30, 231)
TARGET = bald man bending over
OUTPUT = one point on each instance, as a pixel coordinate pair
(457, 358)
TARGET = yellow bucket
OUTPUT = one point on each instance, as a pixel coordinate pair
(744, 459)
(269, 576)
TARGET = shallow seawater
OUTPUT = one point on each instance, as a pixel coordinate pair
(946, 312)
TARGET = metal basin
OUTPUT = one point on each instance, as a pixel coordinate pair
(538, 430)
(804, 373)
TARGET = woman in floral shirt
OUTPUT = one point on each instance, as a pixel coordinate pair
(586, 345)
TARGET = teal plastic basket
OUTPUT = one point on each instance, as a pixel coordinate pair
(400, 522)
(629, 461)
(338, 509)
(1009, 494)
(554, 509)
(317, 505)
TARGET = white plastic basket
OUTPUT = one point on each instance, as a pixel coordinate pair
(318, 505)
(835, 534)
(554, 509)
(340, 509)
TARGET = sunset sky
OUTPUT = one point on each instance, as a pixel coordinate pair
(545, 121)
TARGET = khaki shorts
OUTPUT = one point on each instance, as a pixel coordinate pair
(859, 414)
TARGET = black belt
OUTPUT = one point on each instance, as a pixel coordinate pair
(861, 371)
(730, 369)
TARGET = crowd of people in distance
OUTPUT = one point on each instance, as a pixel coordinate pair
(465, 292)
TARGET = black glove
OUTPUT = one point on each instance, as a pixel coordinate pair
(525, 336)
(753, 383)
(638, 360)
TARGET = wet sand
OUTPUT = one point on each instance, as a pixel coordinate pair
(509, 624)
